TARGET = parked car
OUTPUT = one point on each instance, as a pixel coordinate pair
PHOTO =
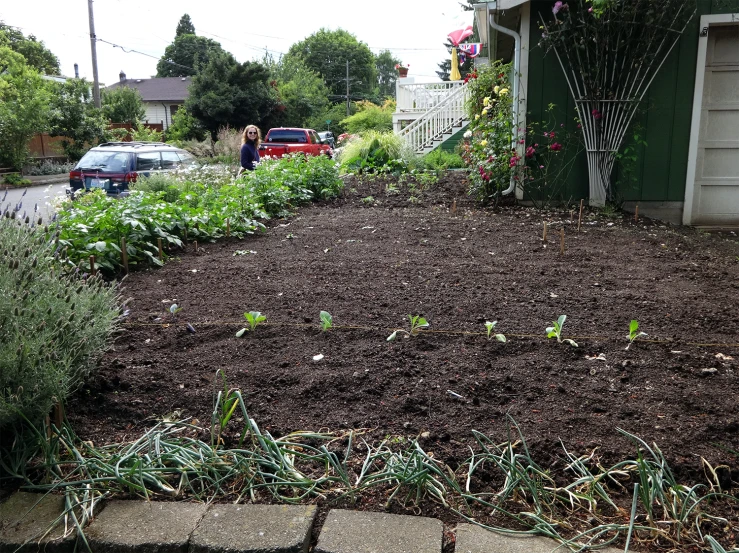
(327, 137)
(283, 140)
(112, 166)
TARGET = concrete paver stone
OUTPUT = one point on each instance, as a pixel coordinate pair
(26, 517)
(254, 529)
(366, 532)
(471, 538)
(144, 527)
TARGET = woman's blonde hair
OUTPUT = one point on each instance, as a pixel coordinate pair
(257, 141)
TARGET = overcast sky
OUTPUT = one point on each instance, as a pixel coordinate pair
(141, 29)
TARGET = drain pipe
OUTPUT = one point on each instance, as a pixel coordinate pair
(516, 83)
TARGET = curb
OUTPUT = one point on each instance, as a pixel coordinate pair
(38, 180)
(163, 527)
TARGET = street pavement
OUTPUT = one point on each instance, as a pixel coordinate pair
(40, 196)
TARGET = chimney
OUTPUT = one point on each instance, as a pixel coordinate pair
(122, 76)
(76, 71)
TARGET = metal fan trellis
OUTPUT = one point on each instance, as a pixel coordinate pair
(610, 52)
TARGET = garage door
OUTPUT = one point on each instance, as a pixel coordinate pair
(716, 189)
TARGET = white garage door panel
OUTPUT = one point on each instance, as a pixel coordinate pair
(724, 45)
(716, 177)
(720, 163)
(722, 124)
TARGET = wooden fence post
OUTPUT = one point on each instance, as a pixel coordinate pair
(124, 254)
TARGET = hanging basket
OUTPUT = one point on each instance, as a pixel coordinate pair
(402, 72)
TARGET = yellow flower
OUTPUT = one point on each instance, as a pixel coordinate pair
(486, 100)
(477, 117)
(503, 91)
(496, 89)
(485, 111)
(483, 143)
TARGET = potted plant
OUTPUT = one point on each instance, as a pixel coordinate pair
(402, 69)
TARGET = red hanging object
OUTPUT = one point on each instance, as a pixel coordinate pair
(460, 34)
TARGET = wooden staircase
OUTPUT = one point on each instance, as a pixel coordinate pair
(438, 123)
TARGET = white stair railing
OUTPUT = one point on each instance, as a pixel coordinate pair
(437, 121)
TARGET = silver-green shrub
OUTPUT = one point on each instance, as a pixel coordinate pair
(54, 324)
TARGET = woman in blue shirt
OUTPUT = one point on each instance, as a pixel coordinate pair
(250, 141)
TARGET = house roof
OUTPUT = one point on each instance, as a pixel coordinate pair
(165, 89)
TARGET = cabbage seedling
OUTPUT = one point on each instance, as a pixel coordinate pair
(174, 308)
(490, 326)
(633, 332)
(253, 318)
(555, 331)
(327, 321)
(417, 323)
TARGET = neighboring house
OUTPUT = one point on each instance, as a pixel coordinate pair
(689, 170)
(162, 96)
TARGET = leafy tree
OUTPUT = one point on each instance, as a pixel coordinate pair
(122, 104)
(74, 116)
(371, 117)
(327, 52)
(185, 26)
(24, 107)
(185, 127)
(387, 75)
(302, 92)
(37, 55)
(181, 58)
(336, 113)
(225, 92)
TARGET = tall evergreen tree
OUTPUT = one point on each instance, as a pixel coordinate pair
(185, 26)
(387, 75)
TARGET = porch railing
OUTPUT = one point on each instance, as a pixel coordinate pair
(441, 118)
(421, 97)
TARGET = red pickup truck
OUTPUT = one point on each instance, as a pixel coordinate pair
(283, 140)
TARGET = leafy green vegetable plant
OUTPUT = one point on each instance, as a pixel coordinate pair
(173, 309)
(417, 323)
(634, 332)
(490, 326)
(327, 321)
(254, 318)
(555, 331)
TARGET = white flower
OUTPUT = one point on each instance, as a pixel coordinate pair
(467, 134)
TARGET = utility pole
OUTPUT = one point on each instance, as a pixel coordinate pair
(347, 88)
(93, 39)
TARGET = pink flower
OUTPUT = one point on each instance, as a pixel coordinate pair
(530, 151)
(596, 114)
(557, 7)
(555, 147)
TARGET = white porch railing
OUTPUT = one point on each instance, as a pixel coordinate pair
(440, 118)
(420, 97)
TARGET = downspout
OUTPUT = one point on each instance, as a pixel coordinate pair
(516, 85)
(165, 118)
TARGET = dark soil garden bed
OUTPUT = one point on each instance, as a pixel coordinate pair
(379, 254)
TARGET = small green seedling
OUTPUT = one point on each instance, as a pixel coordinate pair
(490, 326)
(634, 332)
(253, 318)
(417, 323)
(555, 331)
(174, 308)
(327, 321)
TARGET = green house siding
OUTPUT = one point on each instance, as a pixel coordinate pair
(450, 145)
(663, 119)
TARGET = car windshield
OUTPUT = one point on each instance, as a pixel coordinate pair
(104, 161)
(286, 136)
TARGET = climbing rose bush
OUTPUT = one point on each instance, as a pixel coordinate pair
(489, 150)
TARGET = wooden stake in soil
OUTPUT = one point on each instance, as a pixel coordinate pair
(579, 218)
(562, 241)
(124, 254)
(454, 207)
(92, 265)
(58, 415)
(228, 227)
(544, 234)
(196, 245)
(636, 213)
(161, 252)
